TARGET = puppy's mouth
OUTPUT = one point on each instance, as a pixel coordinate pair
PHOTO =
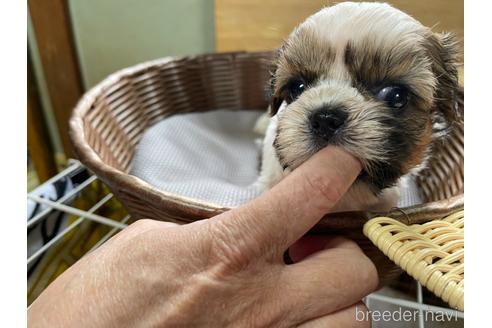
(321, 141)
(378, 175)
(316, 143)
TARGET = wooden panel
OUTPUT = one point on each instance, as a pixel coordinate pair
(262, 24)
(51, 22)
(38, 141)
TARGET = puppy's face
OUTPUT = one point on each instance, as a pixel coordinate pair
(368, 78)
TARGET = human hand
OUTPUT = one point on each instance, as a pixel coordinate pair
(227, 270)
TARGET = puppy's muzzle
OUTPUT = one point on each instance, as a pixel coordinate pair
(327, 121)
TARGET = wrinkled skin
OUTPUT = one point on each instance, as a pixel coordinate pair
(225, 271)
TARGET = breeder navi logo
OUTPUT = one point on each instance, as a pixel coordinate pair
(401, 315)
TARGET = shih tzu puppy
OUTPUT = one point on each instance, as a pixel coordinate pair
(370, 79)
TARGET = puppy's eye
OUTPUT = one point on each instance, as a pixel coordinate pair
(293, 89)
(395, 96)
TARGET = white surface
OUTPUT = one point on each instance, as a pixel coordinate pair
(209, 156)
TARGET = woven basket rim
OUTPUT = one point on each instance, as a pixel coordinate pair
(92, 160)
(417, 213)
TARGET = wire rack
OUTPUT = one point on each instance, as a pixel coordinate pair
(76, 215)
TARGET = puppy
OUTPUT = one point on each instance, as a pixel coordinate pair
(370, 79)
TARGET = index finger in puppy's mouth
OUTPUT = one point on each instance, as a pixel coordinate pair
(283, 214)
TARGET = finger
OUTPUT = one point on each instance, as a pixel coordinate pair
(309, 245)
(355, 316)
(329, 280)
(306, 246)
(283, 214)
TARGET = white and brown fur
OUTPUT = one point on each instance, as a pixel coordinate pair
(345, 53)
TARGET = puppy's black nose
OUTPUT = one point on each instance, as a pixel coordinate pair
(327, 120)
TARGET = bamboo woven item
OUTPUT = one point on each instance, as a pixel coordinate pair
(433, 253)
(110, 119)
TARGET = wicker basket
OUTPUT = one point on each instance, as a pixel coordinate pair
(110, 119)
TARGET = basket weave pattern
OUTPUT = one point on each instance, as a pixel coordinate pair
(111, 118)
(444, 176)
(433, 253)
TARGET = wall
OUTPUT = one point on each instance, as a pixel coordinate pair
(112, 34)
(263, 24)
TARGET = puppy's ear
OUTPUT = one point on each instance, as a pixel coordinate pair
(274, 100)
(275, 103)
(444, 51)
